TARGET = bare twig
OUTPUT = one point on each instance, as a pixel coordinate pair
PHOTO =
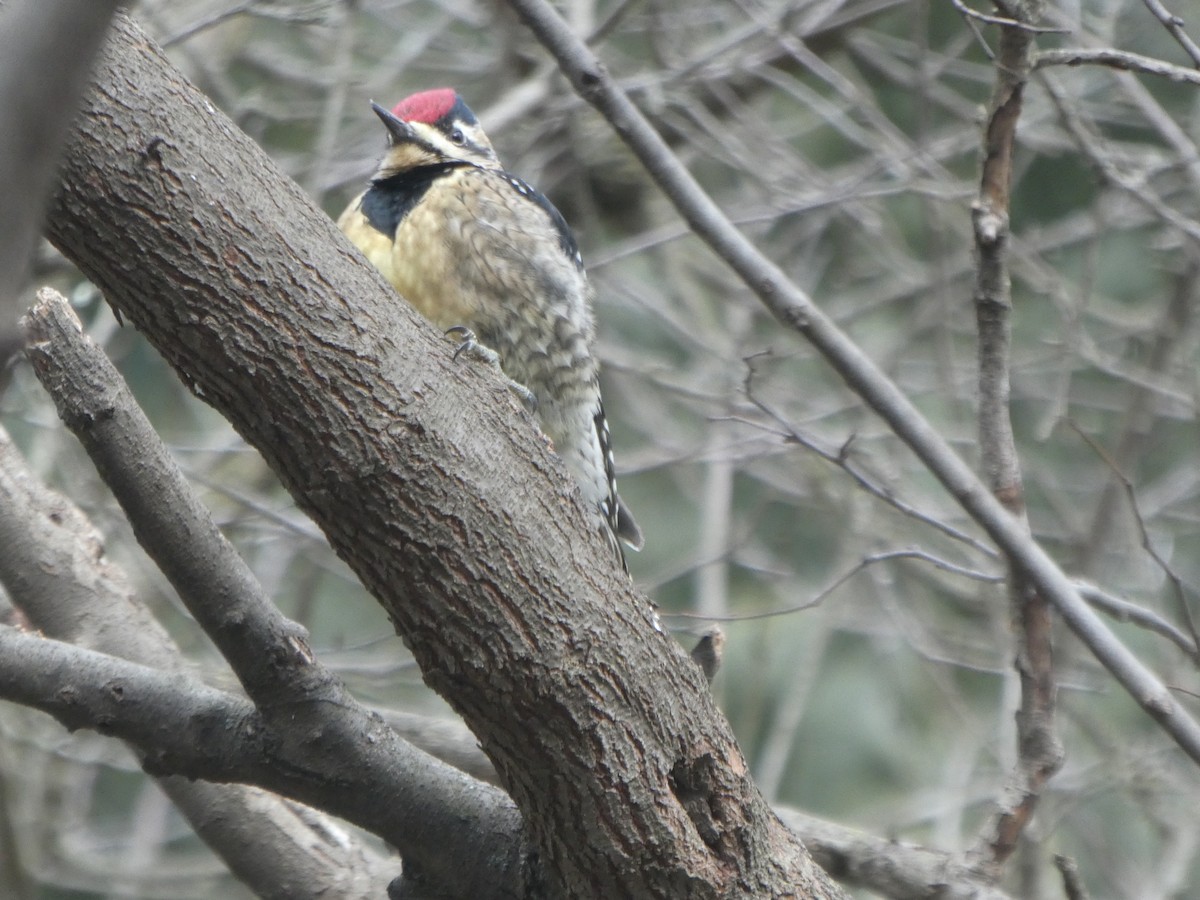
(1138, 421)
(209, 21)
(1174, 25)
(842, 459)
(1115, 59)
(717, 519)
(1177, 588)
(1005, 22)
(1073, 885)
(341, 55)
(1174, 133)
(862, 565)
(1124, 611)
(1090, 145)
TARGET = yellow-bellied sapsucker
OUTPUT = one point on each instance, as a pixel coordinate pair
(479, 252)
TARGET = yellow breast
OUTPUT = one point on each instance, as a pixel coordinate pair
(420, 262)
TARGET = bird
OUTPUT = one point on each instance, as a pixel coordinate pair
(489, 260)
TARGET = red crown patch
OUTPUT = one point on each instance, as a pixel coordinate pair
(427, 106)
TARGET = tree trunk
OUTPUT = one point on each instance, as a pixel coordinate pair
(434, 487)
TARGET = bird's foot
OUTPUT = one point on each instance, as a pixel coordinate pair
(470, 345)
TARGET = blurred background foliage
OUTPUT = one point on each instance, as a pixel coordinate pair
(844, 137)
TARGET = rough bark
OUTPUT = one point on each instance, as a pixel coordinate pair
(428, 481)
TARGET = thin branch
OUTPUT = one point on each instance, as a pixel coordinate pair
(1090, 145)
(340, 80)
(1124, 611)
(841, 459)
(1115, 59)
(1174, 133)
(862, 565)
(209, 21)
(1177, 588)
(1005, 22)
(1174, 25)
(1039, 751)
(1168, 345)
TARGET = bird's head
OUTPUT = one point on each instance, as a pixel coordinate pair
(432, 127)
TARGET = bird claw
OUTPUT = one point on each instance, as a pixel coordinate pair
(471, 346)
(525, 395)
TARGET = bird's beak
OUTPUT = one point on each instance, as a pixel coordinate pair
(399, 131)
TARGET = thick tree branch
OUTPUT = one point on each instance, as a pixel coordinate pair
(53, 567)
(890, 868)
(312, 718)
(795, 310)
(452, 511)
(181, 727)
(268, 653)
